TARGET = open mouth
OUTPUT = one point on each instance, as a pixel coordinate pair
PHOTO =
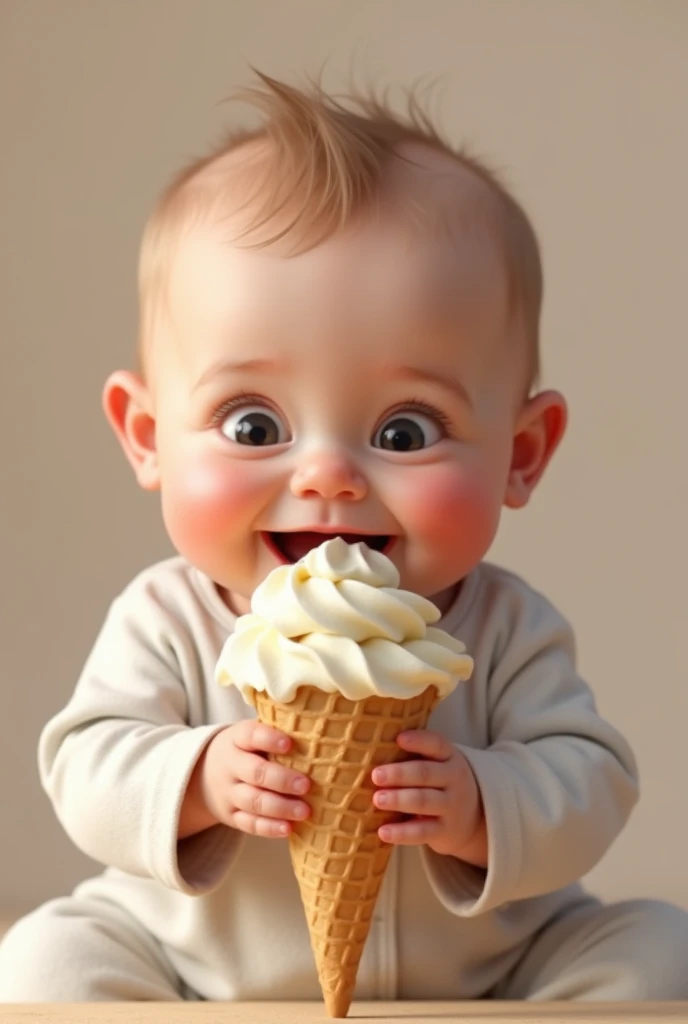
(292, 546)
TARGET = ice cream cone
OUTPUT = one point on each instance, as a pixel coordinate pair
(341, 659)
(338, 858)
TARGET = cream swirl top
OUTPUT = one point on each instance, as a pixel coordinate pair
(336, 620)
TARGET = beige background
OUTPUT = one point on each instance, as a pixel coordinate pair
(581, 102)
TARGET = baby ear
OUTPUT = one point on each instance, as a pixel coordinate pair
(128, 407)
(539, 429)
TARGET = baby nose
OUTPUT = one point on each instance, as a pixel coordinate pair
(328, 475)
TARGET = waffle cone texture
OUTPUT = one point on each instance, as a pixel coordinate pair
(338, 859)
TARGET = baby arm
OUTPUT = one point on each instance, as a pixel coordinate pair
(116, 760)
(557, 781)
(134, 784)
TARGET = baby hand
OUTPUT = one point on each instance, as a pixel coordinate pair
(439, 791)
(240, 787)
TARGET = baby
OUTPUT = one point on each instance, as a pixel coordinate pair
(339, 336)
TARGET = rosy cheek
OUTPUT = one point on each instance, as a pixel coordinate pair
(208, 501)
(452, 507)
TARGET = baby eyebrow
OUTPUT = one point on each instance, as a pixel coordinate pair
(226, 367)
(440, 378)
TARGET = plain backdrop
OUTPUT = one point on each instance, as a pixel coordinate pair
(581, 104)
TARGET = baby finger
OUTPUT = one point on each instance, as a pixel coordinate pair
(426, 802)
(267, 828)
(259, 771)
(264, 804)
(411, 833)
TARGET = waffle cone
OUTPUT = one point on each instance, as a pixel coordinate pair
(338, 858)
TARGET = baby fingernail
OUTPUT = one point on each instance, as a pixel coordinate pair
(300, 785)
(379, 775)
(381, 799)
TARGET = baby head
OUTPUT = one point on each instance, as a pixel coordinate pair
(339, 336)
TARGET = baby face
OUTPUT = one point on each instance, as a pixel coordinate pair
(367, 388)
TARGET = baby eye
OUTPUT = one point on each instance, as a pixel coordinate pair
(254, 425)
(407, 432)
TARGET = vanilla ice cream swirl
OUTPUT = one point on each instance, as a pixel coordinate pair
(337, 620)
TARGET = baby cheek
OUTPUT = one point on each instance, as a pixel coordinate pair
(452, 507)
(207, 503)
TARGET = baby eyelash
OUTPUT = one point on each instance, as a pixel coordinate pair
(418, 405)
(414, 405)
(236, 402)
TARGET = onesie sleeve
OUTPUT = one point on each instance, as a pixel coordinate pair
(116, 761)
(558, 782)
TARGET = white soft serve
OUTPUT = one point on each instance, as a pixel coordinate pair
(336, 620)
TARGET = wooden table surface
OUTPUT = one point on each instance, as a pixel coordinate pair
(297, 1013)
